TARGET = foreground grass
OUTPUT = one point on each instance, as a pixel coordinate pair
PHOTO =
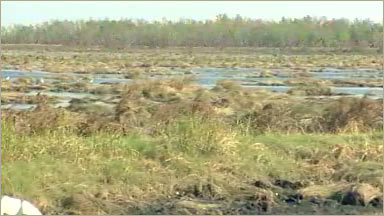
(113, 174)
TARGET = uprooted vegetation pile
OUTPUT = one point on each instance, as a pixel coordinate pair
(172, 147)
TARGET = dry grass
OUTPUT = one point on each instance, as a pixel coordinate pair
(127, 63)
(352, 114)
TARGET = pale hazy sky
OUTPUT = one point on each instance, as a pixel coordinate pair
(23, 12)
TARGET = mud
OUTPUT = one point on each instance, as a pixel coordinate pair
(266, 198)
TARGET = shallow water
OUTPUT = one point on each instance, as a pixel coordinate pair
(62, 103)
(208, 77)
(18, 106)
(358, 90)
(16, 73)
(63, 94)
(337, 90)
(110, 80)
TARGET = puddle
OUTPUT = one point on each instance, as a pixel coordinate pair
(358, 90)
(110, 80)
(63, 103)
(336, 90)
(19, 106)
(63, 94)
(209, 76)
(344, 75)
(100, 103)
(16, 73)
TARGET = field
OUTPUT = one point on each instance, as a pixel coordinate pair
(192, 130)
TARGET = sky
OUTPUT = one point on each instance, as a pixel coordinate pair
(33, 12)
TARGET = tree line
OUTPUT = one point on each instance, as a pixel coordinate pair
(223, 31)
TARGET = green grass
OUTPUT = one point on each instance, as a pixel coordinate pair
(52, 166)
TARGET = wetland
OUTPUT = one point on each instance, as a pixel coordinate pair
(189, 131)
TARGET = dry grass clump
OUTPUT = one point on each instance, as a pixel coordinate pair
(302, 74)
(81, 86)
(132, 114)
(228, 85)
(309, 87)
(354, 114)
(105, 89)
(229, 94)
(201, 136)
(283, 117)
(310, 91)
(98, 124)
(153, 117)
(343, 115)
(43, 118)
(167, 89)
(134, 73)
(15, 98)
(144, 102)
(5, 85)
